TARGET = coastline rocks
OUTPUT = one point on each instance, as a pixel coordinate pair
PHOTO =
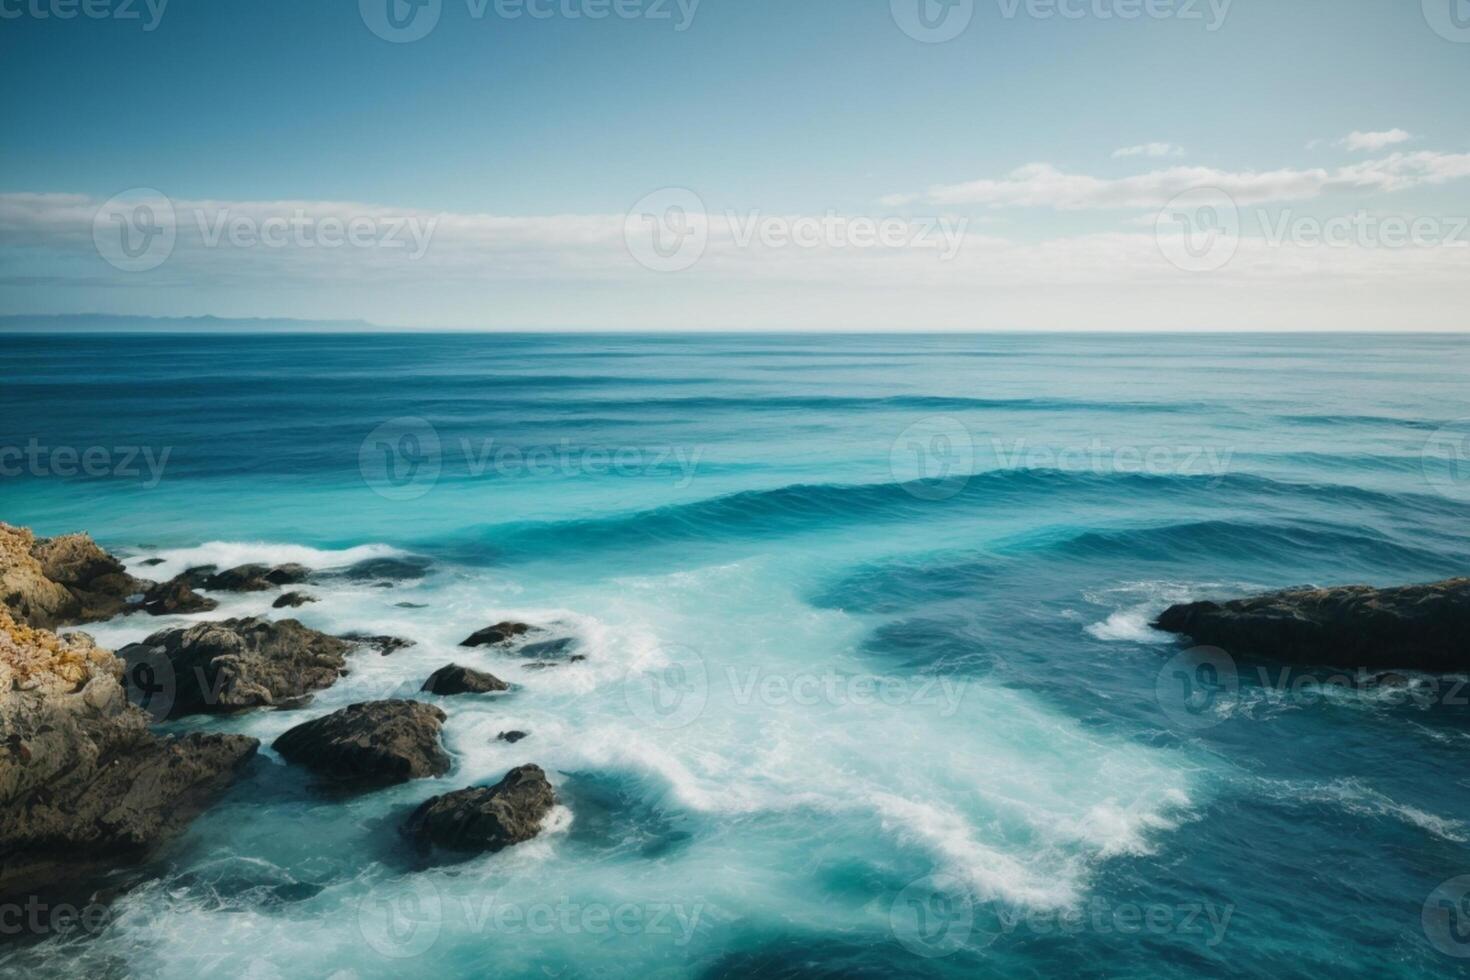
(512, 737)
(377, 743)
(292, 600)
(173, 597)
(454, 679)
(1415, 627)
(236, 664)
(499, 635)
(485, 819)
(60, 581)
(242, 578)
(84, 784)
(288, 574)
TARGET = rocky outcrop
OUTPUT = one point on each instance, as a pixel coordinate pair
(378, 743)
(512, 737)
(454, 679)
(485, 819)
(237, 664)
(175, 597)
(501, 634)
(1415, 627)
(84, 784)
(292, 600)
(60, 581)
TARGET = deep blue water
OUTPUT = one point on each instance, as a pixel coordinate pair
(890, 597)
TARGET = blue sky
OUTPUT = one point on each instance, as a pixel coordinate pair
(533, 137)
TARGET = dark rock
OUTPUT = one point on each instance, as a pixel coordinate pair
(242, 578)
(195, 577)
(151, 562)
(485, 819)
(84, 784)
(410, 605)
(454, 679)
(292, 600)
(1416, 627)
(395, 569)
(236, 664)
(288, 574)
(499, 635)
(512, 737)
(175, 597)
(385, 645)
(378, 743)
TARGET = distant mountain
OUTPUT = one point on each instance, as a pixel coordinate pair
(115, 323)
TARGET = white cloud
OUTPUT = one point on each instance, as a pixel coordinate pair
(1149, 150)
(575, 270)
(1374, 142)
(1042, 185)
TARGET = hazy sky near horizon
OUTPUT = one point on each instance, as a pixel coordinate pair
(699, 164)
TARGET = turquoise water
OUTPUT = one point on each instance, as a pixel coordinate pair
(870, 689)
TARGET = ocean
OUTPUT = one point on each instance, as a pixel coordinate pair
(870, 686)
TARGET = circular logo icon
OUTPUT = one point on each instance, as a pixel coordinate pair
(1447, 917)
(671, 695)
(400, 21)
(1446, 460)
(934, 916)
(401, 459)
(1194, 685)
(1199, 230)
(1450, 19)
(934, 458)
(402, 918)
(932, 21)
(135, 231)
(668, 230)
(149, 680)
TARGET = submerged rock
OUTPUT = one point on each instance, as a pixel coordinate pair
(454, 679)
(84, 784)
(1415, 627)
(391, 569)
(512, 737)
(236, 664)
(485, 819)
(292, 600)
(378, 743)
(175, 597)
(499, 634)
(385, 645)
